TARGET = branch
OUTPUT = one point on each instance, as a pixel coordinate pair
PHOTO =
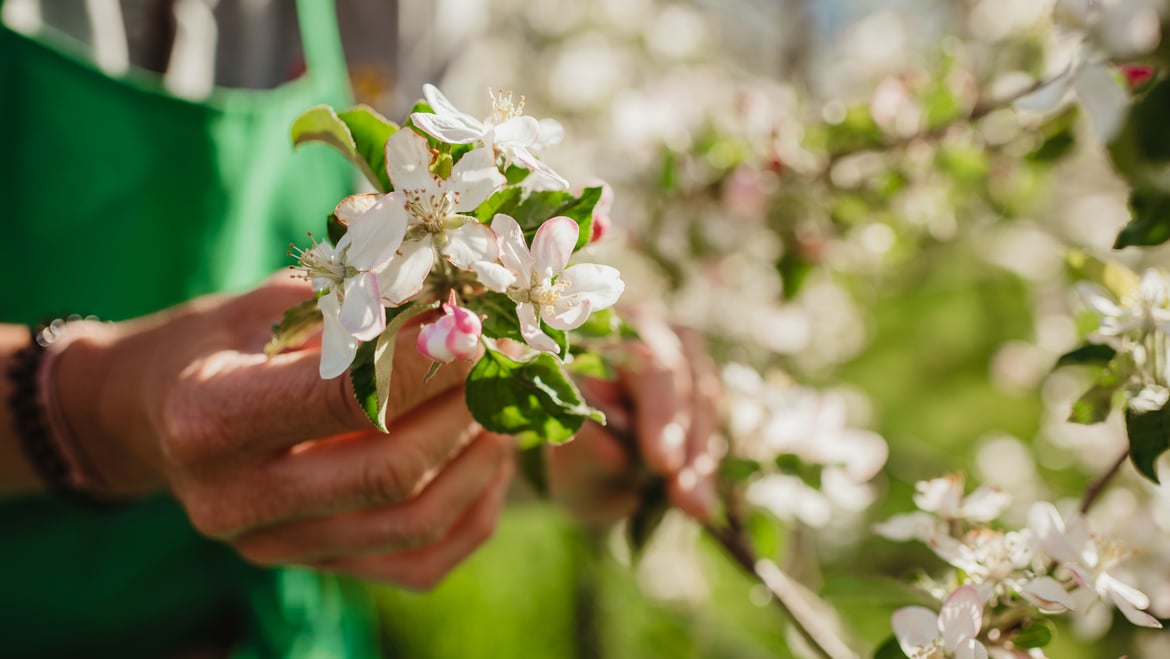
(786, 594)
(1094, 490)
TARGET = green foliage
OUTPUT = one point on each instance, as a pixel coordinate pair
(647, 517)
(1036, 634)
(1149, 437)
(359, 134)
(1151, 220)
(1095, 404)
(531, 210)
(501, 321)
(874, 590)
(591, 365)
(1116, 279)
(738, 469)
(1090, 354)
(533, 400)
(295, 327)
(1057, 137)
(374, 364)
(334, 229)
(533, 468)
(889, 650)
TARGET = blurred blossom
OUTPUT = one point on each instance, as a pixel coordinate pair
(671, 566)
(677, 32)
(894, 109)
(588, 71)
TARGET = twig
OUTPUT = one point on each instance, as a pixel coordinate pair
(1094, 490)
(822, 640)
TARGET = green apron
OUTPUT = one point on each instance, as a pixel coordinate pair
(118, 200)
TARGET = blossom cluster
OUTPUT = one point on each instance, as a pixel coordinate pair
(423, 242)
(1003, 581)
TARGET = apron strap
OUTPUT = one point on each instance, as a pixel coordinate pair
(320, 38)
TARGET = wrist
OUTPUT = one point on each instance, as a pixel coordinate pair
(98, 394)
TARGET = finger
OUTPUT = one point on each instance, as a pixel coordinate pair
(594, 477)
(660, 391)
(423, 569)
(229, 402)
(418, 522)
(693, 488)
(359, 470)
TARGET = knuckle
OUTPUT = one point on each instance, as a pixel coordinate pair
(341, 404)
(423, 528)
(392, 480)
(208, 518)
(190, 436)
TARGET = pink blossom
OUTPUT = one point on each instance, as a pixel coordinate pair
(454, 336)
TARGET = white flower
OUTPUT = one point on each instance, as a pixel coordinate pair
(942, 501)
(422, 221)
(506, 132)
(1099, 89)
(952, 632)
(540, 284)
(997, 563)
(1144, 309)
(1088, 561)
(352, 302)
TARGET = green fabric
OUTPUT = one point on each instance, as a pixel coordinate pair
(118, 200)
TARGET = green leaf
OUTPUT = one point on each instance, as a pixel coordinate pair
(1115, 278)
(603, 324)
(334, 229)
(1058, 137)
(532, 400)
(1095, 404)
(370, 131)
(374, 364)
(739, 469)
(889, 650)
(515, 174)
(591, 365)
(1090, 354)
(532, 467)
(499, 315)
(1036, 634)
(648, 516)
(295, 327)
(1149, 437)
(533, 210)
(1151, 220)
(358, 143)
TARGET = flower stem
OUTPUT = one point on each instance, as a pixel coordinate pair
(1094, 490)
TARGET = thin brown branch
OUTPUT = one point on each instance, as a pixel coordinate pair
(1094, 490)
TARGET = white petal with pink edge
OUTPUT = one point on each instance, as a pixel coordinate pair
(471, 243)
(530, 329)
(552, 246)
(374, 236)
(404, 275)
(408, 158)
(361, 309)
(338, 347)
(474, 178)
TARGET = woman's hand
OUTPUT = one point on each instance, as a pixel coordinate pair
(271, 459)
(662, 416)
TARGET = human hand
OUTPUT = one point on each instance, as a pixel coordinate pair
(662, 415)
(265, 455)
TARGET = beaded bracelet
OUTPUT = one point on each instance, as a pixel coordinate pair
(40, 424)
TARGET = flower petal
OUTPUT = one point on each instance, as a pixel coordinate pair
(551, 133)
(338, 347)
(404, 275)
(915, 627)
(361, 309)
(961, 617)
(1047, 594)
(985, 503)
(408, 157)
(1129, 600)
(1049, 96)
(599, 285)
(971, 649)
(908, 526)
(567, 316)
(494, 276)
(449, 128)
(530, 329)
(349, 208)
(514, 252)
(375, 235)
(471, 243)
(1045, 521)
(474, 178)
(516, 132)
(1103, 97)
(552, 246)
(542, 177)
(440, 104)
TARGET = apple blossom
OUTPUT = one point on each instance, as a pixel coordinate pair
(424, 216)
(952, 632)
(507, 132)
(1089, 561)
(1144, 309)
(541, 285)
(454, 336)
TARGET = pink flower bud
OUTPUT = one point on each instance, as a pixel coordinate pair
(454, 336)
(1137, 75)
